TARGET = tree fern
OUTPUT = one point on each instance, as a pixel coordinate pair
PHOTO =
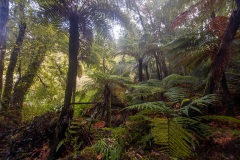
(143, 90)
(175, 80)
(171, 137)
(176, 94)
(199, 103)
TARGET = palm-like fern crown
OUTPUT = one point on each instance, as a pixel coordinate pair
(98, 81)
(92, 15)
(191, 51)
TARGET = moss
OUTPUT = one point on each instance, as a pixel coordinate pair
(89, 153)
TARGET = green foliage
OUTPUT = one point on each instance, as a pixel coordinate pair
(173, 88)
(109, 148)
(145, 90)
(178, 80)
(199, 104)
(172, 137)
(158, 107)
(221, 118)
(176, 94)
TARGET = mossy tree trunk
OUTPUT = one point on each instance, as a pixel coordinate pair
(13, 60)
(22, 86)
(67, 110)
(4, 13)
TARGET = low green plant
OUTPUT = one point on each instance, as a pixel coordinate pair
(171, 137)
(109, 148)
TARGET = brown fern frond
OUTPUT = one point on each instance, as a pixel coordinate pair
(218, 25)
(198, 8)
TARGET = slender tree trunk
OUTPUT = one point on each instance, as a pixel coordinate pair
(67, 110)
(13, 61)
(74, 94)
(147, 73)
(140, 69)
(22, 86)
(157, 67)
(163, 65)
(4, 9)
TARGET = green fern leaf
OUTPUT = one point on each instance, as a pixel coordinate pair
(172, 137)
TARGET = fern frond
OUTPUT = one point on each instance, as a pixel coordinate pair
(172, 137)
(221, 118)
(148, 106)
(145, 90)
(175, 94)
(175, 79)
(199, 103)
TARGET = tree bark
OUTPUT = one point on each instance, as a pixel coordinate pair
(67, 110)
(140, 69)
(159, 74)
(147, 73)
(13, 61)
(4, 13)
(163, 65)
(223, 56)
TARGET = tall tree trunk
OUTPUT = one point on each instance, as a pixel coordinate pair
(223, 56)
(163, 64)
(13, 61)
(67, 110)
(4, 9)
(140, 69)
(158, 66)
(22, 86)
(146, 70)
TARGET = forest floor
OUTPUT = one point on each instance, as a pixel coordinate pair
(33, 141)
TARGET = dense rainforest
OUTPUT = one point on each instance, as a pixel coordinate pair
(119, 79)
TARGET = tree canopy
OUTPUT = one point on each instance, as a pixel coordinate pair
(164, 86)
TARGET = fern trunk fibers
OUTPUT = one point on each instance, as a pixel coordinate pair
(4, 10)
(74, 93)
(140, 69)
(221, 60)
(22, 86)
(13, 61)
(67, 111)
